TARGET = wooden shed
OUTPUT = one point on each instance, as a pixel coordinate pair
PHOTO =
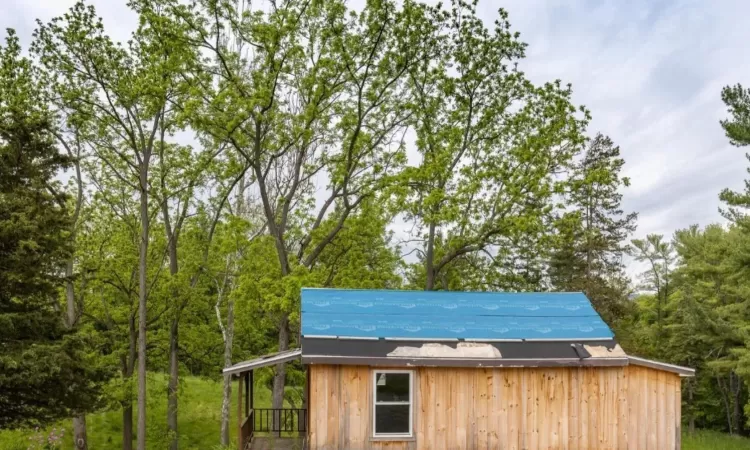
(456, 370)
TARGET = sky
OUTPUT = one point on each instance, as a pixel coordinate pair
(650, 72)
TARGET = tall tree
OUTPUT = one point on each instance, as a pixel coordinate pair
(660, 258)
(123, 96)
(304, 91)
(594, 230)
(490, 143)
(69, 139)
(737, 129)
(41, 361)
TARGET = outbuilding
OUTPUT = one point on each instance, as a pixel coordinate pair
(462, 370)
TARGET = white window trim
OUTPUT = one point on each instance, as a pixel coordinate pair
(375, 402)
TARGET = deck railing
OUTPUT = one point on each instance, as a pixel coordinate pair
(281, 420)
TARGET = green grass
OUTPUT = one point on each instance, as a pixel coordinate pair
(199, 421)
(713, 440)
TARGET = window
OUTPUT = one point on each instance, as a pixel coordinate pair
(392, 392)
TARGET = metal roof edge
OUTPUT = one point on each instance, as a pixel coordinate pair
(682, 371)
(465, 362)
(263, 361)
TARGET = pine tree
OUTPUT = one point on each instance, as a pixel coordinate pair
(592, 236)
(43, 372)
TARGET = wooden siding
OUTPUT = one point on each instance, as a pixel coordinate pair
(516, 409)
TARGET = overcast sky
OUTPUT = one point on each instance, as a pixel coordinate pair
(650, 72)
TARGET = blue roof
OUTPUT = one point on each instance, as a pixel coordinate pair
(450, 315)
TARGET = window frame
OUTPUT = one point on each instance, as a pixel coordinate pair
(375, 403)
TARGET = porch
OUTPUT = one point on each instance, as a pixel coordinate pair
(267, 428)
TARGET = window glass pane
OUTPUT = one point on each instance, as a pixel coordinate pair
(391, 419)
(392, 387)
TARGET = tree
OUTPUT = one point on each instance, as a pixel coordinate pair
(737, 129)
(490, 141)
(304, 91)
(69, 139)
(659, 256)
(42, 361)
(592, 233)
(122, 98)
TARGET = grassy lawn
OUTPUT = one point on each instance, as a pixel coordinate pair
(199, 419)
(710, 440)
(200, 407)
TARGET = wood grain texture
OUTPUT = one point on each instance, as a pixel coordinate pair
(511, 408)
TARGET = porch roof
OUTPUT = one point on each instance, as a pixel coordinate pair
(265, 360)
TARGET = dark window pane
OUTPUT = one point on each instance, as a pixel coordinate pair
(392, 419)
(392, 387)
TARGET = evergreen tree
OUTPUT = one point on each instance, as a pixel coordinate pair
(592, 236)
(43, 373)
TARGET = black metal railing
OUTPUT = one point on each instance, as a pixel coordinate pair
(283, 420)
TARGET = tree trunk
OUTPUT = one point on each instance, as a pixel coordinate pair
(173, 385)
(80, 437)
(142, 296)
(736, 387)
(429, 260)
(174, 330)
(80, 440)
(227, 394)
(691, 408)
(127, 427)
(726, 400)
(280, 376)
(128, 363)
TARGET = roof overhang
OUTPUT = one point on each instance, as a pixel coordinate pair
(515, 353)
(680, 370)
(263, 361)
(464, 362)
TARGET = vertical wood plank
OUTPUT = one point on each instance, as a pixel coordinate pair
(514, 391)
(530, 436)
(585, 398)
(428, 408)
(565, 411)
(652, 382)
(353, 410)
(574, 408)
(497, 423)
(319, 407)
(442, 405)
(483, 389)
(644, 425)
(596, 436)
(609, 408)
(240, 418)
(669, 417)
(622, 408)
(661, 413)
(678, 414)
(545, 408)
(633, 407)
(463, 416)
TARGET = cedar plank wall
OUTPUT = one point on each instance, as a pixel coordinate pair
(516, 409)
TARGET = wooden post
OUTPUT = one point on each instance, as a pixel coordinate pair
(251, 389)
(247, 392)
(306, 402)
(240, 418)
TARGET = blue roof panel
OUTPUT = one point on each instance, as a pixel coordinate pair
(450, 315)
(442, 303)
